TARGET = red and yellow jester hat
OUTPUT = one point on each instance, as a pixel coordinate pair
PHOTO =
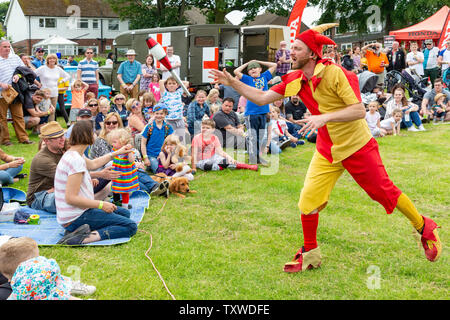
(315, 40)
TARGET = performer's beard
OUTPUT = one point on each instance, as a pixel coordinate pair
(300, 63)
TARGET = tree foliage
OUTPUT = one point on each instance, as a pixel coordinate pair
(3, 10)
(160, 13)
(150, 14)
(359, 14)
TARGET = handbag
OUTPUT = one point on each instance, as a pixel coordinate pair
(9, 94)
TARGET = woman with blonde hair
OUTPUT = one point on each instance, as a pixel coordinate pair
(119, 107)
(50, 76)
(214, 101)
(136, 119)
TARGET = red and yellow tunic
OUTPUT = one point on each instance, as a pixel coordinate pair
(331, 89)
(340, 145)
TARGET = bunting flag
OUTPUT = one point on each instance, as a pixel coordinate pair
(295, 18)
(445, 34)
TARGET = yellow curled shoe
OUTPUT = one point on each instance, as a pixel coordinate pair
(430, 240)
(304, 260)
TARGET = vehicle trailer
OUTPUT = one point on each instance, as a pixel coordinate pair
(200, 48)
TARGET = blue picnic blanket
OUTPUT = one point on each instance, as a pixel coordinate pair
(48, 232)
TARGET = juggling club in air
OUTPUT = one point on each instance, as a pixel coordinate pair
(159, 54)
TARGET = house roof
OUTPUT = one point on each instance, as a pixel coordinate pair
(58, 8)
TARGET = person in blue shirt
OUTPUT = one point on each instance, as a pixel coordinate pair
(129, 74)
(153, 137)
(71, 61)
(39, 60)
(256, 116)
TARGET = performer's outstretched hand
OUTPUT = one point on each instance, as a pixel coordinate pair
(222, 77)
(313, 123)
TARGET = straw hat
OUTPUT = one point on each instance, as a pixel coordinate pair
(51, 130)
(438, 96)
(130, 52)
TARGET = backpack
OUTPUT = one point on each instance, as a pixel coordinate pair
(138, 137)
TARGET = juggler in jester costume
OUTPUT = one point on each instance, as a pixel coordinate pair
(344, 142)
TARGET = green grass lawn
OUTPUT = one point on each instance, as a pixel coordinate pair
(231, 239)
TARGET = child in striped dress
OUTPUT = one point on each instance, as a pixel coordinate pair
(128, 182)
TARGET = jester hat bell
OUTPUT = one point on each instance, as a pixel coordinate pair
(315, 40)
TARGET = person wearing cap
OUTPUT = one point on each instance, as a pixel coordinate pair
(83, 114)
(40, 194)
(88, 72)
(129, 74)
(38, 60)
(344, 142)
(256, 115)
(430, 61)
(175, 62)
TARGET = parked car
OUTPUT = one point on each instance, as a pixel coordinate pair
(72, 71)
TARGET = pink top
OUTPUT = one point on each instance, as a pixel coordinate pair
(205, 148)
(154, 88)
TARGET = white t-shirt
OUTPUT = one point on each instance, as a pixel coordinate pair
(71, 163)
(173, 59)
(372, 119)
(445, 57)
(387, 123)
(419, 66)
(49, 78)
(276, 125)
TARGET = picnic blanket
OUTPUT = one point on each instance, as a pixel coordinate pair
(48, 232)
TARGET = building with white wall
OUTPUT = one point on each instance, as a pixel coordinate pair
(90, 23)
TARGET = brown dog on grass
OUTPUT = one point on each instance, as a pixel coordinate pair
(178, 186)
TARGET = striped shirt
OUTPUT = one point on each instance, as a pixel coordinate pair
(71, 163)
(88, 71)
(7, 68)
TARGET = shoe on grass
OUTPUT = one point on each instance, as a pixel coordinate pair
(304, 261)
(160, 189)
(76, 237)
(262, 162)
(285, 144)
(81, 289)
(430, 240)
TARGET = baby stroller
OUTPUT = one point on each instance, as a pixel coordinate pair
(367, 81)
(414, 84)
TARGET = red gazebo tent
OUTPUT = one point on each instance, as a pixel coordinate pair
(430, 28)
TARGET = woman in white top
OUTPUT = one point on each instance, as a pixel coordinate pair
(409, 109)
(49, 74)
(85, 219)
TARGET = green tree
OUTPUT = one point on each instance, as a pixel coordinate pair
(359, 14)
(150, 14)
(216, 10)
(160, 13)
(3, 10)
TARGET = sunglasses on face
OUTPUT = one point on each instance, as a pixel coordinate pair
(89, 53)
(93, 105)
(120, 99)
(134, 106)
(108, 123)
